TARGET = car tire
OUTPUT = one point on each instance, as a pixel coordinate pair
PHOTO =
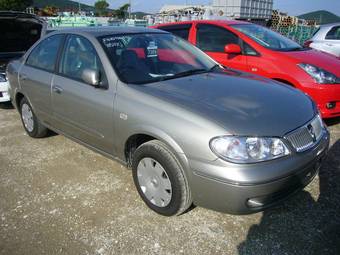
(31, 124)
(160, 179)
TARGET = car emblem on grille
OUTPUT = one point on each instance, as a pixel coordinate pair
(312, 132)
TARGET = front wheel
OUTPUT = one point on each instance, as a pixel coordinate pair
(160, 179)
(30, 122)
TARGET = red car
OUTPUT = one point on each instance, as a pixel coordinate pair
(256, 49)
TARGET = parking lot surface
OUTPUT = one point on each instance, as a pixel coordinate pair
(58, 197)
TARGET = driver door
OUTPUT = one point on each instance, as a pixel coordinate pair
(213, 39)
(81, 110)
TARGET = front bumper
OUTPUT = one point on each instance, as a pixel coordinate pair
(323, 95)
(4, 95)
(252, 188)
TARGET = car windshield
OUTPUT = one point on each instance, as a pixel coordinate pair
(267, 37)
(146, 58)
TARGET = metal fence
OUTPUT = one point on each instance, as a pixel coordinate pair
(300, 34)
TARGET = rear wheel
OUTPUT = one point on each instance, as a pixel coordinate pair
(32, 125)
(160, 180)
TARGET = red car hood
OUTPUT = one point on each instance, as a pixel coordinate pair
(317, 58)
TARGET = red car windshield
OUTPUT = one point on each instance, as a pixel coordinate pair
(267, 37)
(146, 58)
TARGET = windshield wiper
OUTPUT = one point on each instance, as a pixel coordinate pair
(183, 74)
(190, 72)
(294, 49)
(214, 67)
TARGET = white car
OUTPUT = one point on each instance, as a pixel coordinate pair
(326, 39)
(4, 96)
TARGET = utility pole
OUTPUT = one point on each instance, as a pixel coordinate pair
(130, 9)
(79, 7)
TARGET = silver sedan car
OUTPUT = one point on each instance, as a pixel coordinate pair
(326, 39)
(192, 131)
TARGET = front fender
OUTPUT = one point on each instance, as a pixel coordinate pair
(161, 136)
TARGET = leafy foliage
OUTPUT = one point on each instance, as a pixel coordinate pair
(15, 5)
(121, 12)
(101, 7)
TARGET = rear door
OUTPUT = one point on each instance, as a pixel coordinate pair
(81, 110)
(212, 39)
(332, 41)
(37, 74)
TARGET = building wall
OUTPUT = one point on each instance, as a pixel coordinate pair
(244, 9)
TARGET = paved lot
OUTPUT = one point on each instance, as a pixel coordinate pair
(57, 197)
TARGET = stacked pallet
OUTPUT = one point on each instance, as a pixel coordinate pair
(280, 19)
(311, 23)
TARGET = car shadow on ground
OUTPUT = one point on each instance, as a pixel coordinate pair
(7, 105)
(302, 225)
(333, 121)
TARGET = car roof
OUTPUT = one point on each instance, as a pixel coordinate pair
(212, 22)
(108, 30)
(17, 15)
(331, 25)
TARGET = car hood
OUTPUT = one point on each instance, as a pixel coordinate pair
(243, 105)
(19, 31)
(317, 58)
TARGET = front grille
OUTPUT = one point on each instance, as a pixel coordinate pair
(306, 136)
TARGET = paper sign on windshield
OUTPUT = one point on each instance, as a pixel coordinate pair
(152, 50)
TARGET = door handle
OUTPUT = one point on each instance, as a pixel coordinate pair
(57, 89)
(329, 44)
(23, 77)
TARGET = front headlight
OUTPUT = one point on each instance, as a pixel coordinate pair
(3, 78)
(319, 75)
(244, 150)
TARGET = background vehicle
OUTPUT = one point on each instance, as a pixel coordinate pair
(19, 31)
(327, 39)
(191, 130)
(255, 49)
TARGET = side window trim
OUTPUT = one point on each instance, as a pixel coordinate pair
(243, 43)
(60, 58)
(60, 53)
(56, 60)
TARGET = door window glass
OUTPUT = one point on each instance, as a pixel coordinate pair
(44, 55)
(79, 55)
(333, 34)
(214, 39)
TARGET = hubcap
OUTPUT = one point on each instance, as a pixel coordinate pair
(27, 117)
(154, 182)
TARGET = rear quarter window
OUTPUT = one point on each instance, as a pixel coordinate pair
(181, 31)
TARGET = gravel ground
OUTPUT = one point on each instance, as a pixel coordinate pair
(57, 197)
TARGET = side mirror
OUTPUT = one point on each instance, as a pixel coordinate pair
(91, 77)
(232, 49)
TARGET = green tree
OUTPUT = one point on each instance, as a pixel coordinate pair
(121, 12)
(101, 7)
(15, 5)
